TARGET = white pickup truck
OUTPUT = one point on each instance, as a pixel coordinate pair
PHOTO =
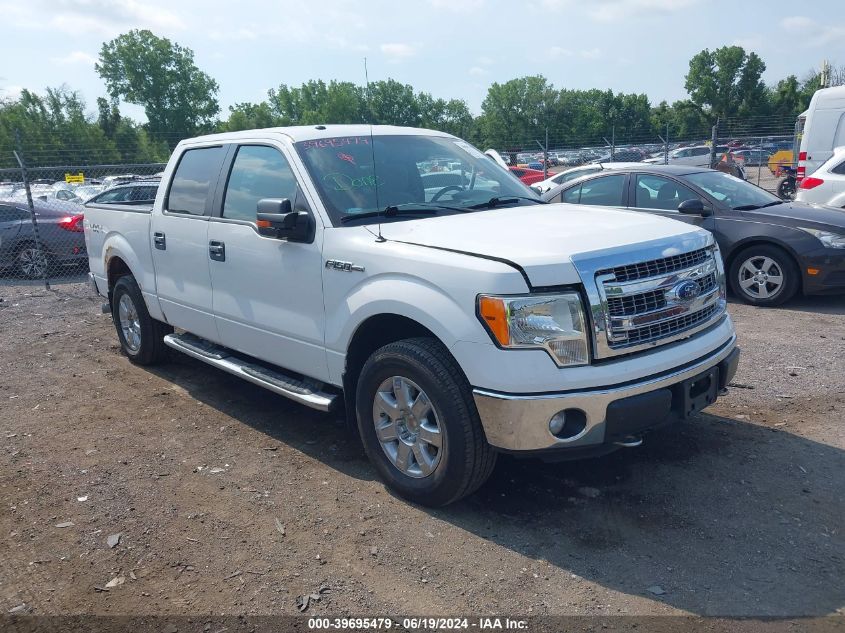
(403, 275)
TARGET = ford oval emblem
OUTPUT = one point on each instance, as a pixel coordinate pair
(686, 291)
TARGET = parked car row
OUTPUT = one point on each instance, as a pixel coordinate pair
(772, 248)
(54, 241)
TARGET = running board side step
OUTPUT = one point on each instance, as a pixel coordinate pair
(305, 392)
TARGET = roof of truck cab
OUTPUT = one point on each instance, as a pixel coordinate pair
(299, 133)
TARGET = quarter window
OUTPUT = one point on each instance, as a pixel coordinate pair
(192, 181)
(656, 192)
(258, 172)
(839, 169)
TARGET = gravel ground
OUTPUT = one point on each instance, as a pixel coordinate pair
(228, 499)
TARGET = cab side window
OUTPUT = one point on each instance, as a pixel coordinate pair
(258, 172)
(197, 170)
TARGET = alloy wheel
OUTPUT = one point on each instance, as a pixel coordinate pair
(407, 427)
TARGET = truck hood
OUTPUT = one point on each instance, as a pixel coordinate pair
(541, 239)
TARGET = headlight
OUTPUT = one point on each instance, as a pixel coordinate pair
(555, 323)
(830, 240)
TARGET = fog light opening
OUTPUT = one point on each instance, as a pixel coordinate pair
(568, 423)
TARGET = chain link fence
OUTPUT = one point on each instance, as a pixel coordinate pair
(42, 199)
(758, 149)
(42, 210)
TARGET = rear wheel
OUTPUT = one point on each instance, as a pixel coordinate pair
(141, 336)
(32, 262)
(764, 275)
(786, 188)
(419, 424)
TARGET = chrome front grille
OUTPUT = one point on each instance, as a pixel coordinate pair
(652, 299)
(663, 329)
(656, 301)
(655, 267)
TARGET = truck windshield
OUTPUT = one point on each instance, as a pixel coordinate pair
(359, 175)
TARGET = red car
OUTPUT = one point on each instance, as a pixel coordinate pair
(528, 176)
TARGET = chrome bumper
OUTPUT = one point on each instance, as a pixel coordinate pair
(517, 422)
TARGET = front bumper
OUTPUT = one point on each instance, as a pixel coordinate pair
(518, 422)
(830, 278)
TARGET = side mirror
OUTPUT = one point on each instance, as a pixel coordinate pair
(275, 218)
(695, 207)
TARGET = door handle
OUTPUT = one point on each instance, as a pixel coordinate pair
(160, 241)
(217, 251)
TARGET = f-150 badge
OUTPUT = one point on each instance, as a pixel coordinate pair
(348, 267)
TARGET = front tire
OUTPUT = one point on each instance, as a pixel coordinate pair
(141, 336)
(764, 275)
(419, 424)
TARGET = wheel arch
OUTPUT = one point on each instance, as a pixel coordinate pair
(374, 332)
(744, 245)
(739, 247)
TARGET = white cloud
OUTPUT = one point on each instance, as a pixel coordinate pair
(485, 61)
(104, 18)
(458, 6)
(558, 52)
(814, 33)
(11, 92)
(614, 10)
(76, 57)
(749, 43)
(478, 71)
(233, 35)
(398, 51)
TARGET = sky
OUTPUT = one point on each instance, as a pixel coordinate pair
(450, 48)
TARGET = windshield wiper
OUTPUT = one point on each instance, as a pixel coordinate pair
(754, 207)
(406, 208)
(497, 201)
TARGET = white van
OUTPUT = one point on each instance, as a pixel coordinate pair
(824, 129)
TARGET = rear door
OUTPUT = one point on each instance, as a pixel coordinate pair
(10, 225)
(268, 292)
(179, 242)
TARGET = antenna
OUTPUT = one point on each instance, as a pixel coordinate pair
(380, 237)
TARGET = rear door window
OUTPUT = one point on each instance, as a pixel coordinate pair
(605, 191)
(194, 178)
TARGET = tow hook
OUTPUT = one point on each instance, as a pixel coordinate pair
(630, 442)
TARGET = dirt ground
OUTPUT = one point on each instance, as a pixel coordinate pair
(231, 500)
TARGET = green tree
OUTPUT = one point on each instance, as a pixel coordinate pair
(727, 82)
(393, 103)
(517, 112)
(249, 116)
(55, 130)
(178, 98)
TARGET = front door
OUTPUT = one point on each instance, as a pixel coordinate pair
(268, 293)
(179, 243)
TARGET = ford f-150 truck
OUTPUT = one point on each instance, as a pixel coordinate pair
(450, 322)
